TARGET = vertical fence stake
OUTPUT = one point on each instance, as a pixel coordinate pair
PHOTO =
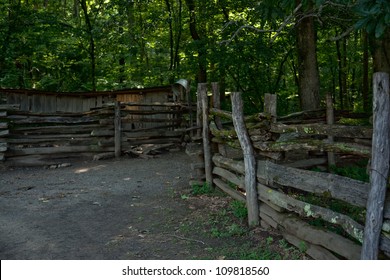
(198, 112)
(379, 166)
(270, 105)
(118, 129)
(202, 91)
(218, 122)
(249, 159)
(330, 121)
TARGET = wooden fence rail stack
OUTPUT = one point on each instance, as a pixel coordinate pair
(321, 213)
(33, 139)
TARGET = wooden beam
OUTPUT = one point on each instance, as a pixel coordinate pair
(249, 159)
(117, 130)
(202, 90)
(379, 166)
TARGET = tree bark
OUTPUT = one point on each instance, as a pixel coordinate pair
(91, 43)
(379, 167)
(202, 71)
(381, 53)
(249, 159)
(309, 81)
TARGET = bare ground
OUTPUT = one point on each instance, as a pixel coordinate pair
(123, 209)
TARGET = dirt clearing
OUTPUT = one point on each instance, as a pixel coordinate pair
(122, 209)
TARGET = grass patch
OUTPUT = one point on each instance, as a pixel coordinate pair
(202, 189)
(239, 209)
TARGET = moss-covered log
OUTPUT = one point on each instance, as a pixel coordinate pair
(313, 145)
(324, 129)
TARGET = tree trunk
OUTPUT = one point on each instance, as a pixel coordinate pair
(365, 86)
(381, 53)
(202, 71)
(309, 81)
(171, 42)
(91, 44)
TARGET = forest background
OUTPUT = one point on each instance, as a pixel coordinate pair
(297, 49)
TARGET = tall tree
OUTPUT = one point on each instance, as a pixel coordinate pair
(91, 42)
(200, 43)
(308, 74)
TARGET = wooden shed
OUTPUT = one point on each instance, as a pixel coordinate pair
(50, 102)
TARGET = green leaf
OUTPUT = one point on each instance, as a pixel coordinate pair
(380, 28)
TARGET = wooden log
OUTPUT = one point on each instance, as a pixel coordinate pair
(323, 129)
(154, 120)
(345, 189)
(313, 145)
(103, 132)
(152, 112)
(2, 157)
(129, 127)
(153, 104)
(117, 130)
(229, 176)
(3, 125)
(221, 113)
(57, 129)
(151, 141)
(153, 134)
(217, 119)
(306, 163)
(104, 156)
(9, 107)
(249, 159)
(379, 166)
(13, 151)
(304, 209)
(3, 114)
(314, 251)
(51, 120)
(3, 146)
(202, 90)
(300, 229)
(4, 133)
(233, 193)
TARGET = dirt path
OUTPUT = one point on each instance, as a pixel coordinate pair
(116, 209)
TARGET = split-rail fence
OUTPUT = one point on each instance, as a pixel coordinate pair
(321, 213)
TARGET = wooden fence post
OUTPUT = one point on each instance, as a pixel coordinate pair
(249, 159)
(218, 122)
(202, 91)
(270, 105)
(379, 166)
(118, 129)
(198, 112)
(330, 121)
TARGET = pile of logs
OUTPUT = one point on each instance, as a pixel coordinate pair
(51, 138)
(35, 139)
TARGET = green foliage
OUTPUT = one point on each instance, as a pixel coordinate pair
(357, 172)
(48, 45)
(239, 209)
(374, 16)
(202, 189)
